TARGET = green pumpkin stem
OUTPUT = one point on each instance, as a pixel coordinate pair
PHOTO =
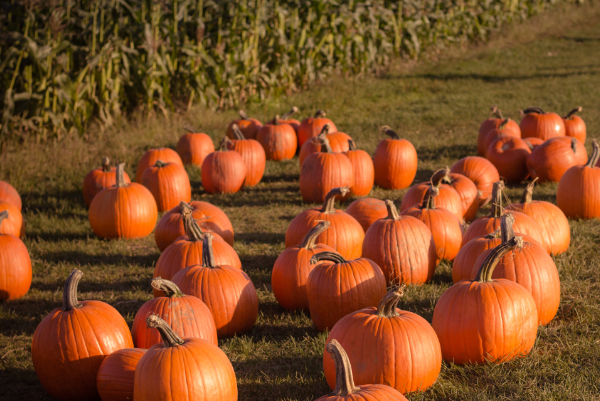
(536, 110)
(3, 215)
(289, 113)
(593, 160)
(487, 268)
(497, 208)
(237, 132)
(311, 237)
(319, 114)
(192, 229)
(168, 287)
(330, 256)
(344, 382)
(496, 112)
(329, 203)
(506, 227)
(121, 175)
(528, 192)
(572, 112)
(391, 209)
(389, 303)
(70, 291)
(105, 164)
(243, 115)
(169, 337)
(389, 132)
(208, 256)
(429, 198)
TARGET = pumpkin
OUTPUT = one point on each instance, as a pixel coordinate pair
(168, 183)
(338, 141)
(187, 315)
(285, 119)
(364, 172)
(468, 193)
(193, 147)
(124, 210)
(116, 374)
(15, 265)
(183, 368)
(151, 156)
(313, 126)
(187, 251)
(481, 171)
(493, 123)
(395, 161)
(500, 132)
(226, 290)
(170, 227)
(367, 211)
(278, 140)
(537, 123)
(342, 287)
(443, 224)
(9, 194)
(486, 320)
(387, 346)
(248, 126)
(292, 267)
(549, 161)
(13, 222)
(578, 194)
(533, 142)
(71, 342)
(345, 234)
(324, 171)
(345, 389)
(98, 179)
(554, 223)
(402, 246)
(223, 171)
(448, 198)
(509, 156)
(253, 155)
(464, 263)
(574, 125)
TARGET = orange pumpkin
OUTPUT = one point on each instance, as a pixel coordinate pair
(124, 210)
(313, 126)
(574, 125)
(481, 171)
(338, 141)
(278, 140)
(285, 119)
(468, 192)
(253, 154)
(248, 126)
(9, 194)
(395, 161)
(13, 222)
(509, 156)
(15, 265)
(502, 131)
(364, 172)
(151, 156)
(537, 123)
(226, 290)
(403, 246)
(70, 344)
(116, 374)
(345, 234)
(342, 287)
(493, 123)
(549, 161)
(367, 211)
(168, 183)
(533, 142)
(223, 171)
(193, 147)
(387, 346)
(462, 268)
(98, 179)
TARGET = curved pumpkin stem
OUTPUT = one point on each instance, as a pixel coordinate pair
(3, 215)
(528, 192)
(391, 209)
(183, 206)
(325, 146)
(351, 145)
(237, 133)
(169, 337)
(311, 238)
(487, 268)
(389, 303)
(189, 129)
(439, 176)
(121, 175)
(593, 160)
(243, 115)
(330, 256)
(329, 203)
(324, 131)
(319, 114)
(536, 110)
(496, 112)
(503, 123)
(506, 227)
(497, 208)
(389, 132)
(105, 164)
(224, 142)
(168, 287)
(575, 110)
(289, 113)
(429, 198)
(192, 229)
(208, 256)
(344, 382)
(70, 291)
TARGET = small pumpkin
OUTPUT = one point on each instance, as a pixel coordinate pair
(194, 146)
(278, 140)
(313, 126)
(468, 192)
(338, 141)
(464, 263)
(502, 131)
(342, 287)
(574, 125)
(98, 179)
(549, 161)
(248, 126)
(537, 123)
(13, 222)
(9, 194)
(481, 171)
(223, 171)
(364, 172)
(367, 211)
(116, 374)
(15, 265)
(151, 156)
(493, 123)
(168, 183)
(395, 161)
(253, 154)
(509, 156)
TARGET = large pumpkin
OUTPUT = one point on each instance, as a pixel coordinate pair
(345, 234)
(486, 320)
(223, 171)
(253, 154)
(278, 140)
(402, 246)
(550, 160)
(364, 172)
(481, 171)
(367, 211)
(313, 126)
(98, 179)
(338, 141)
(490, 124)
(13, 222)
(509, 156)
(468, 192)
(116, 374)
(537, 123)
(151, 156)
(502, 131)
(71, 342)
(15, 265)
(226, 290)
(395, 161)
(124, 210)
(574, 125)
(9, 193)
(193, 147)
(292, 267)
(168, 183)
(183, 368)
(248, 126)
(463, 265)
(342, 287)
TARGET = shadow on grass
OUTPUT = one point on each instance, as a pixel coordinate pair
(83, 259)
(57, 237)
(499, 78)
(260, 237)
(446, 152)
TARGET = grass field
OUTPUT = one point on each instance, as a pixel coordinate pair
(550, 61)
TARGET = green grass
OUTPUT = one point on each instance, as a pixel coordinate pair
(551, 62)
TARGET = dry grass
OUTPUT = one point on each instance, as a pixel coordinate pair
(551, 62)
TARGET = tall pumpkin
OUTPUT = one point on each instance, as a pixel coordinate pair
(124, 210)
(248, 126)
(468, 192)
(402, 246)
(537, 123)
(367, 211)
(313, 126)
(223, 171)
(194, 146)
(345, 234)
(463, 265)
(364, 172)
(342, 287)
(151, 156)
(15, 265)
(493, 123)
(395, 161)
(509, 156)
(98, 179)
(278, 140)
(338, 141)
(481, 171)
(71, 342)
(253, 154)
(387, 345)
(116, 374)
(574, 125)
(168, 183)
(9, 193)
(549, 161)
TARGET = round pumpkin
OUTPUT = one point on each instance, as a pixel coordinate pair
(574, 125)
(342, 287)
(549, 161)
(168, 183)
(248, 126)
(285, 119)
(345, 234)
(313, 126)
(70, 344)
(193, 147)
(223, 171)
(124, 210)
(364, 172)
(481, 171)
(9, 194)
(15, 265)
(493, 123)
(468, 193)
(464, 263)
(151, 156)
(395, 161)
(509, 156)
(278, 140)
(537, 123)
(367, 211)
(98, 179)
(502, 131)
(13, 222)
(253, 154)
(402, 246)
(116, 374)
(338, 141)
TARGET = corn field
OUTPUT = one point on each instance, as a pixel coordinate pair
(67, 63)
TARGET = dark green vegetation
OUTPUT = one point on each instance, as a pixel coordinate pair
(551, 62)
(67, 62)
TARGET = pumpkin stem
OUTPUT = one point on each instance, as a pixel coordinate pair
(330, 256)
(487, 268)
(329, 203)
(439, 176)
(344, 382)
(536, 110)
(324, 131)
(183, 206)
(121, 175)
(497, 208)
(289, 113)
(189, 129)
(276, 119)
(70, 291)
(575, 110)
(325, 146)
(593, 160)
(389, 303)
(496, 111)
(529, 144)
(506, 227)
(237, 133)
(429, 198)
(319, 114)
(208, 257)
(3, 215)
(105, 164)
(389, 132)
(391, 209)
(574, 144)
(351, 145)
(160, 164)
(168, 287)
(192, 229)
(224, 142)
(311, 238)
(528, 192)
(503, 123)
(243, 115)
(495, 234)
(169, 337)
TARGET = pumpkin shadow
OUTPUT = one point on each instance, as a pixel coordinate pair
(129, 281)
(59, 203)
(25, 315)
(108, 260)
(56, 237)
(21, 384)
